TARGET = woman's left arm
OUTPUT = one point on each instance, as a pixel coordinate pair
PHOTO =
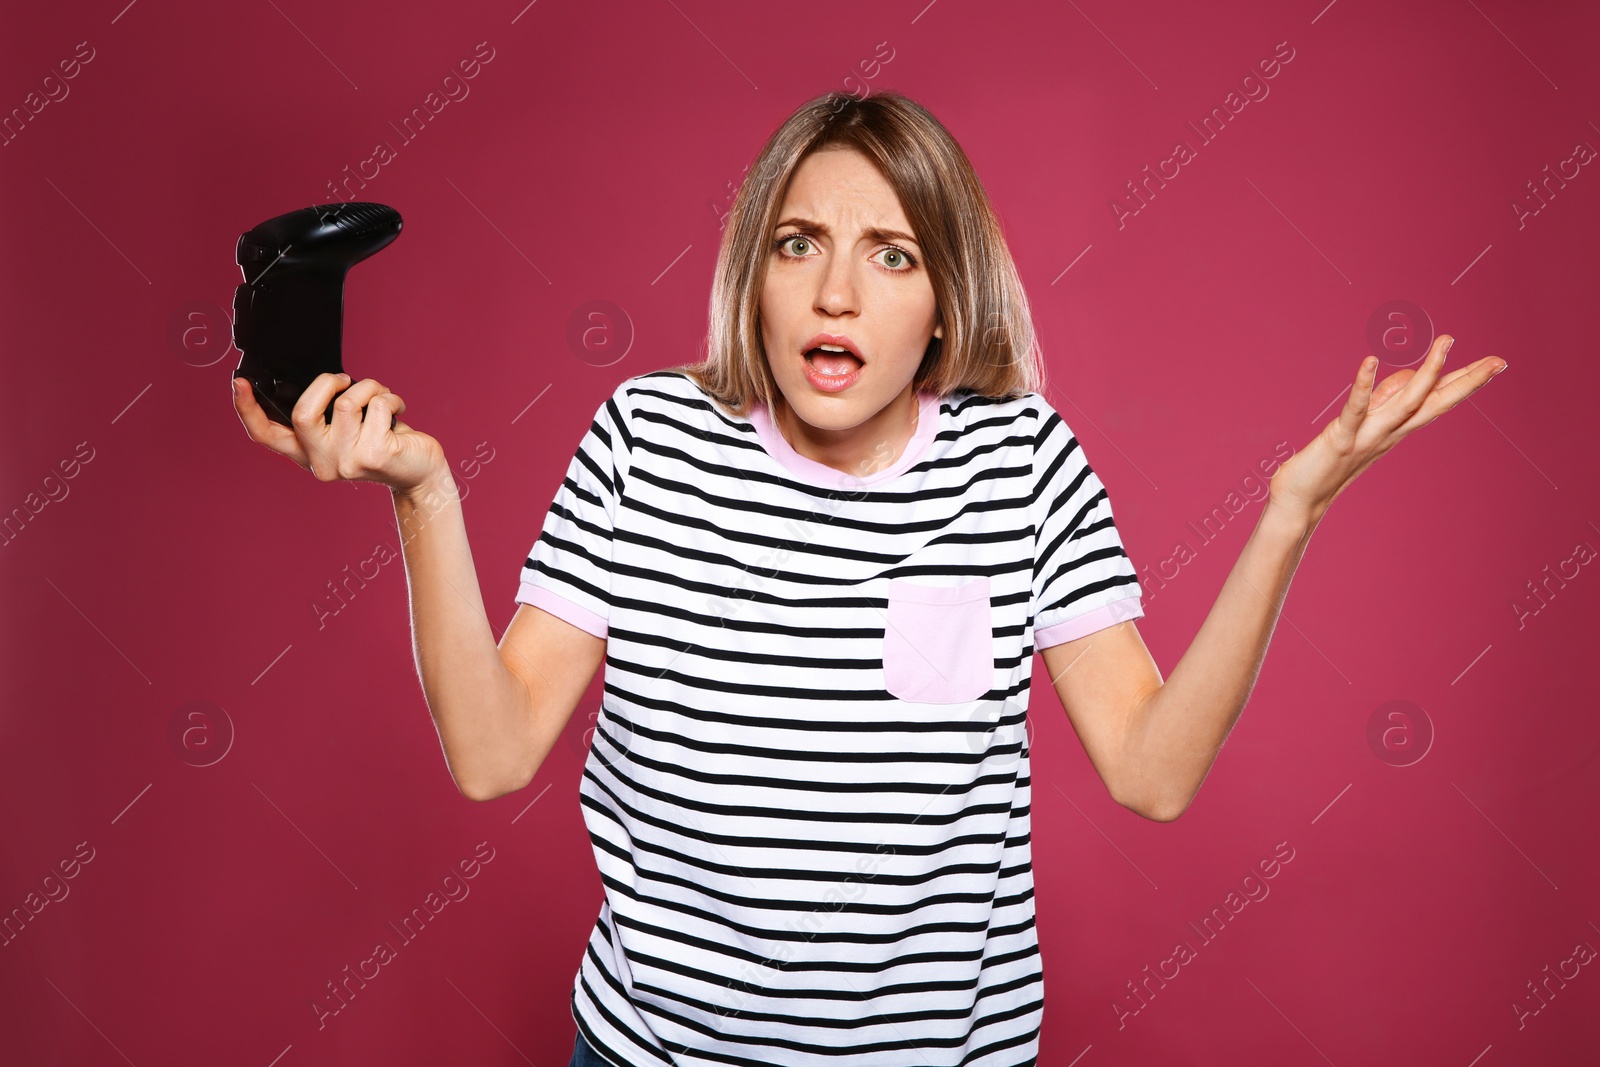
(1166, 736)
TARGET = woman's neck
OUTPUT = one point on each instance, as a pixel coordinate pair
(862, 450)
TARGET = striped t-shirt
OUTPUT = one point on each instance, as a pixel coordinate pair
(808, 789)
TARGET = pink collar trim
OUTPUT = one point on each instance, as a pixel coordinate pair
(809, 470)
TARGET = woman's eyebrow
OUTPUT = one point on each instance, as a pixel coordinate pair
(876, 233)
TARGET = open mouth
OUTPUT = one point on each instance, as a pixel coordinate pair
(834, 361)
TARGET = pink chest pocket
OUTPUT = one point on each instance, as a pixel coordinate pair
(938, 644)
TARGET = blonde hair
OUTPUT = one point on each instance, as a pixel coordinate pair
(989, 346)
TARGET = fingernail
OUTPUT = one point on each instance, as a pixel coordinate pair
(1448, 344)
(1500, 368)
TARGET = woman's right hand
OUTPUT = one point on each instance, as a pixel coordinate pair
(351, 448)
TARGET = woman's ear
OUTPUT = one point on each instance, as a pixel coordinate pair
(938, 329)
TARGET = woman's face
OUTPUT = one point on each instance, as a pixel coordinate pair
(843, 261)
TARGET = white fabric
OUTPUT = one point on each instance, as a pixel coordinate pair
(809, 789)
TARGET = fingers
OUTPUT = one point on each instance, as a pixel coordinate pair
(1452, 390)
(1355, 409)
(1390, 386)
(350, 447)
(347, 425)
(1421, 383)
(261, 429)
(310, 427)
(377, 425)
(249, 412)
(1403, 392)
(307, 413)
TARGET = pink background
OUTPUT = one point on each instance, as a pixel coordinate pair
(591, 161)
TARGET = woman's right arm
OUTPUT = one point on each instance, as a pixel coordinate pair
(498, 710)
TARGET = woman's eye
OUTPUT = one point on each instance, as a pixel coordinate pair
(898, 261)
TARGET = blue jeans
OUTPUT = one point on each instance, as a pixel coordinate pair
(584, 1055)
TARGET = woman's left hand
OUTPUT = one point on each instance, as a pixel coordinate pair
(1372, 422)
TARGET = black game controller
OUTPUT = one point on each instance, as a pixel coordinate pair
(289, 313)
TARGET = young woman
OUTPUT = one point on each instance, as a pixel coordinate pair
(817, 566)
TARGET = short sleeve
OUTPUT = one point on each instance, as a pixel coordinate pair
(1083, 580)
(568, 571)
